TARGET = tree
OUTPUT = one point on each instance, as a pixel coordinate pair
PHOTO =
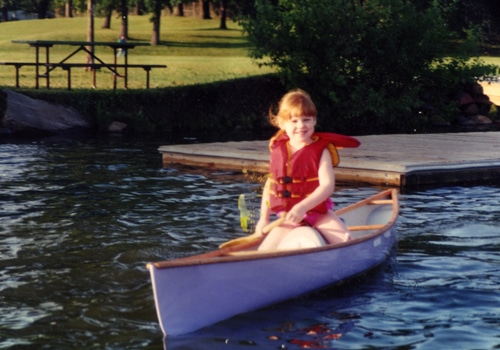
(155, 7)
(124, 18)
(205, 9)
(106, 8)
(223, 14)
(68, 9)
(5, 7)
(139, 7)
(178, 5)
(233, 9)
(90, 28)
(373, 62)
(462, 14)
(39, 7)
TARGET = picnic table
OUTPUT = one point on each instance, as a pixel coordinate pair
(93, 63)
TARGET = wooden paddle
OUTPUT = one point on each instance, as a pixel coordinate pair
(253, 236)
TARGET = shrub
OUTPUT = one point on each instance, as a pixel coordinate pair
(377, 64)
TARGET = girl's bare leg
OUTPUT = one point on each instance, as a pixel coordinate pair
(332, 228)
(274, 237)
(301, 238)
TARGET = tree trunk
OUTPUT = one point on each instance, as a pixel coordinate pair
(106, 22)
(139, 8)
(124, 22)
(155, 37)
(5, 13)
(180, 10)
(90, 28)
(43, 8)
(205, 6)
(223, 14)
(68, 9)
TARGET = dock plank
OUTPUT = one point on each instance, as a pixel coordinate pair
(393, 160)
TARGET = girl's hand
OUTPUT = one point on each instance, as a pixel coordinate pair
(296, 215)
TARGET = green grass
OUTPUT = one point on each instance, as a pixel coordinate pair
(194, 50)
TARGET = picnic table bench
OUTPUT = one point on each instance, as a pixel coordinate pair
(85, 47)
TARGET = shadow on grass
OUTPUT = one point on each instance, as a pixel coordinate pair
(491, 50)
(207, 44)
(217, 29)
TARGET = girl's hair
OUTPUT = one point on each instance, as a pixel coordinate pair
(293, 104)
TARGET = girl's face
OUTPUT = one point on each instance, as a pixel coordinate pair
(299, 129)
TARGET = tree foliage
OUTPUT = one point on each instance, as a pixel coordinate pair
(379, 63)
(40, 8)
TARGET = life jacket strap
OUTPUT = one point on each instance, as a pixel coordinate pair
(287, 194)
(284, 180)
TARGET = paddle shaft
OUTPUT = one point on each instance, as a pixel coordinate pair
(253, 236)
(273, 224)
(365, 227)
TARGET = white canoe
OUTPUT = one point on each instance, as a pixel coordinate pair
(194, 292)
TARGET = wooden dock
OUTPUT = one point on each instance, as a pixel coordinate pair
(391, 160)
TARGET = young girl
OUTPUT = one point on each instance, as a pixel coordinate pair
(301, 179)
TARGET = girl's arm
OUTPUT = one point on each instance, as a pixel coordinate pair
(320, 194)
(265, 210)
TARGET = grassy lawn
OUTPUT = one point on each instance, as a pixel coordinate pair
(194, 50)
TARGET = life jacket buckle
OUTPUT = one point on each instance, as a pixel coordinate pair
(285, 194)
(285, 180)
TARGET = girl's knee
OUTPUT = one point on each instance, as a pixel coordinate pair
(301, 238)
(273, 238)
(336, 236)
(333, 229)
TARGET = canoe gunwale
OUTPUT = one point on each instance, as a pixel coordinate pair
(224, 255)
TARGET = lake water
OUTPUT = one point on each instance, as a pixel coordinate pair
(79, 220)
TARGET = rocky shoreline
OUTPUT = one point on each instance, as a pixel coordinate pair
(34, 117)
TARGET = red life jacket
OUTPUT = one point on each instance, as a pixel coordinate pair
(294, 177)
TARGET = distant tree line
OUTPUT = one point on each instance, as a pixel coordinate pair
(459, 13)
(106, 8)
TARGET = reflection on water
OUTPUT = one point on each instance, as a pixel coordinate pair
(80, 219)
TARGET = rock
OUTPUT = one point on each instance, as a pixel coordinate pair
(31, 116)
(440, 122)
(481, 120)
(117, 127)
(5, 131)
(464, 121)
(473, 120)
(472, 101)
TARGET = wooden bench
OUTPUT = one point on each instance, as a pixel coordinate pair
(112, 67)
(18, 66)
(94, 66)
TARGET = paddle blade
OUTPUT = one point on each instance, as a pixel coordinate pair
(245, 215)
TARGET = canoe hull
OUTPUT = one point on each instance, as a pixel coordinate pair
(191, 296)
